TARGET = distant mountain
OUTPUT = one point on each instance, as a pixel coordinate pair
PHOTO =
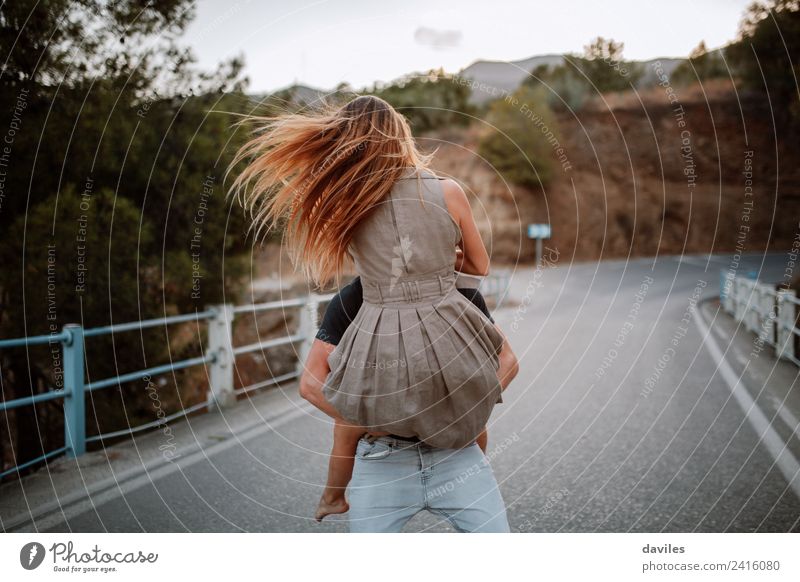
(507, 76)
(504, 76)
(650, 77)
(294, 95)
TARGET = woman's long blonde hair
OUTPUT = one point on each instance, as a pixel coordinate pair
(321, 174)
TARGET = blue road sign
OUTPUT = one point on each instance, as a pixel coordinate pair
(538, 231)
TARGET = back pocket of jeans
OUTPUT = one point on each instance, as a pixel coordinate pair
(375, 451)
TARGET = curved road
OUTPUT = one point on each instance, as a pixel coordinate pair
(621, 419)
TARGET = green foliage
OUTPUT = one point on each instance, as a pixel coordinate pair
(157, 153)
(767, 56)
(601, 69)
(702, 65)
(134, 118)
(563, 87)
(605, 68)
(523, 138)
(429, 101)
(100, 97)
(78, 249)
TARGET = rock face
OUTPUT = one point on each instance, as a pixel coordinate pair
(645, 179)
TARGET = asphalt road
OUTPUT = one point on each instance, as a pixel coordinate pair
(619, 421)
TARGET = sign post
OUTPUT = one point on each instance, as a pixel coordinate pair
(539, 232)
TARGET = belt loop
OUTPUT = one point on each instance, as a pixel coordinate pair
(441, 285)
(417, 291)
(380, 294)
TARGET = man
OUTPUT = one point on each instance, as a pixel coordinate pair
(465, 503)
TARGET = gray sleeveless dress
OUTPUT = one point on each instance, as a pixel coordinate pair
(419, 359)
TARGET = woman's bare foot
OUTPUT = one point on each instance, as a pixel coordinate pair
(331, 506)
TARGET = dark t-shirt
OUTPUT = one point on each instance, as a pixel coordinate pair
(343, 308)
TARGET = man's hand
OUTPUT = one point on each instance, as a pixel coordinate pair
(459, 258)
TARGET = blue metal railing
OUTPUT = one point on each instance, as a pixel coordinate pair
(219, 357)
(72, 338)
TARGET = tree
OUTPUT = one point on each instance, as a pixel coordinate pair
(605, 68)
(600, 69)
(113, 136)
(766, 56)
(702, 65)
(523, 137)
(429, 101)
(64, 41)
(563, 86)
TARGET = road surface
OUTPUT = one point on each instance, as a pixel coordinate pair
(620, 420)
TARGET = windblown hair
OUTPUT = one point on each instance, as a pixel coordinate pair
(321, 174)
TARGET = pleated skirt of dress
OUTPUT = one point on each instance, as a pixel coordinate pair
(427, 369)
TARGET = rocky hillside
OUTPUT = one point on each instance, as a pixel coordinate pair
(631, 190)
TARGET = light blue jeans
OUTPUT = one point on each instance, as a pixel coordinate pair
(394, 479)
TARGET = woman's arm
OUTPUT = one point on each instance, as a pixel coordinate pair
(474, 259)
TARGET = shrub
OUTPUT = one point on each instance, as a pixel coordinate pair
(765, 57)
(522, 139)
(701, 66)
(564, 87)
(429, 101)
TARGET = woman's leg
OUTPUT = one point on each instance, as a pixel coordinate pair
(340, 470)
(462, 489)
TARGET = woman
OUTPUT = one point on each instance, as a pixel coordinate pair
(417, 369)
(339, 315)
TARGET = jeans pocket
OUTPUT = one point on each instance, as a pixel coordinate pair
(373, 451)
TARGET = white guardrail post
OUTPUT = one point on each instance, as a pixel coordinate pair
(753, 316)
(309, 322)
(743, 290)
(726, 290)
(785, 325)
(220, 338)
(767, 308)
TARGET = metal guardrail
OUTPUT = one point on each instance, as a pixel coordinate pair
(219, 356)
(496, 285)
(766, 309)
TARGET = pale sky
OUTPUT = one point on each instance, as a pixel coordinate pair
(324, 42)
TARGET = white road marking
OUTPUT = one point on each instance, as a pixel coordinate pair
(786, 416)
(720, 334)
(772, 441)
